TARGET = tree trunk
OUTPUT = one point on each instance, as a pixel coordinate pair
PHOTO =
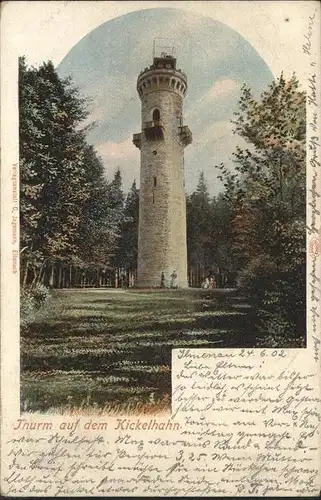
(281, 178)
(52, 276)
(25, 276)
(43, 276)
(60, 277)
(35, 275)
(38, 280)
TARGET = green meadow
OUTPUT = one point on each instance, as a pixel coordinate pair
(109, 351)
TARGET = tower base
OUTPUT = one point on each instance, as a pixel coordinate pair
(168, 282)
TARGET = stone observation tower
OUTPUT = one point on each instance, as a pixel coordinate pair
(162, 247)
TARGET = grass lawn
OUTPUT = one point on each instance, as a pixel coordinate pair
(109, 351)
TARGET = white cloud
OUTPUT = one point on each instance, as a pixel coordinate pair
(215, 144)
(222, 87)
(221, 90)
(215, 133)
(114, 151)
(96, 115)
(123, 155)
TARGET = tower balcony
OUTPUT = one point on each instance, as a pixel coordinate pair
(137, 140)
(154, 129)
(185, 135)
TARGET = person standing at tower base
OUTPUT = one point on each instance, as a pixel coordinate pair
(174, 279)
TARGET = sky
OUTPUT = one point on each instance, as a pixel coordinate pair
(217, 61)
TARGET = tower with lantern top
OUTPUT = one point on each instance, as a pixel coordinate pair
(162, 243)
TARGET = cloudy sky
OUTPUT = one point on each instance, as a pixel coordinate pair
(217, 61)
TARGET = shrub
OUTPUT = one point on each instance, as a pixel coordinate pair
(40, 295)
(31, 300)
(255, 277)
(278, 297)
(27, 308)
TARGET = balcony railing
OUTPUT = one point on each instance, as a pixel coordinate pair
(154, 129)
(153, 124)
(137, 139)
(185, 135)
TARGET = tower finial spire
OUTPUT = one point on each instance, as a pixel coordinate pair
(163, 47)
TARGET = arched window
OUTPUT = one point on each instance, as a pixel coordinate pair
(156, 115)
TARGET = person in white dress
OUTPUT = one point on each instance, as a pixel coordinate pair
(174, 279)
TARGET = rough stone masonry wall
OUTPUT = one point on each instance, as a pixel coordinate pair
(162, 215)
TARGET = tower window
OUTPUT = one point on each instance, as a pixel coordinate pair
(155, 182)
(153, 198)
(156, 115)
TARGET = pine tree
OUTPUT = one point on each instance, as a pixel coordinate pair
(223, 261)
(128, 245)
(199, 227)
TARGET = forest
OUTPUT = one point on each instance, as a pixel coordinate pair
(79, 229)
